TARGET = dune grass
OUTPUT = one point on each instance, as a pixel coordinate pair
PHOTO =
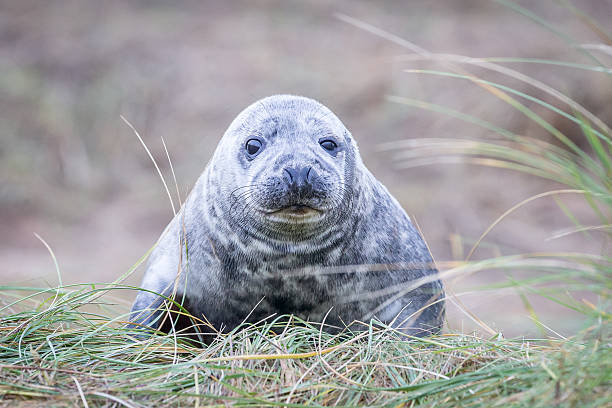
(70, 348)
(69, 345)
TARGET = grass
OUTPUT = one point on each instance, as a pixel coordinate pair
(69, 345)
(63, 351)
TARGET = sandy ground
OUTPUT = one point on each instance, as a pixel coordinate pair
(71, 171)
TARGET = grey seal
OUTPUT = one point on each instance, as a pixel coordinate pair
(286, 219)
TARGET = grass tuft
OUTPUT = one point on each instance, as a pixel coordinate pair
(71, 351)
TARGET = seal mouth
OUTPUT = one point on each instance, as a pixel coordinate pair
(296, 212)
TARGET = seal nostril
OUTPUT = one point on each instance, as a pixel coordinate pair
(289, 175)
(304, 175)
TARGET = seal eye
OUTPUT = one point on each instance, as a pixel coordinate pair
(252, 146)
(328, 145)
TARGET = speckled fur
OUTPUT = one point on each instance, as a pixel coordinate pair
(222, 257)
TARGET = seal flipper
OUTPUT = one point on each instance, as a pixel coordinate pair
(159, 286)
(160, 313)
(147, 311)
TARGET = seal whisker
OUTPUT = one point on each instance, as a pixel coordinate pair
(240, 199)
(243, 187)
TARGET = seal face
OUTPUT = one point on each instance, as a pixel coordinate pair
(288, 165)
(286, 219)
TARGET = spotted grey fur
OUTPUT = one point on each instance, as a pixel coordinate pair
(225, 260)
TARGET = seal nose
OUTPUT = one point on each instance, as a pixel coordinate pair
(299, 178)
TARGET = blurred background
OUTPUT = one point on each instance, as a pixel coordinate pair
(73, 172)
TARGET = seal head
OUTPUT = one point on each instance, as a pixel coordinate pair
(285, 177)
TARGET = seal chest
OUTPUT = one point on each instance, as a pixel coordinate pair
(286, 219)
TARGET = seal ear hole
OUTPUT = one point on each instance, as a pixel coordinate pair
(253, 146)
(328, 145)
